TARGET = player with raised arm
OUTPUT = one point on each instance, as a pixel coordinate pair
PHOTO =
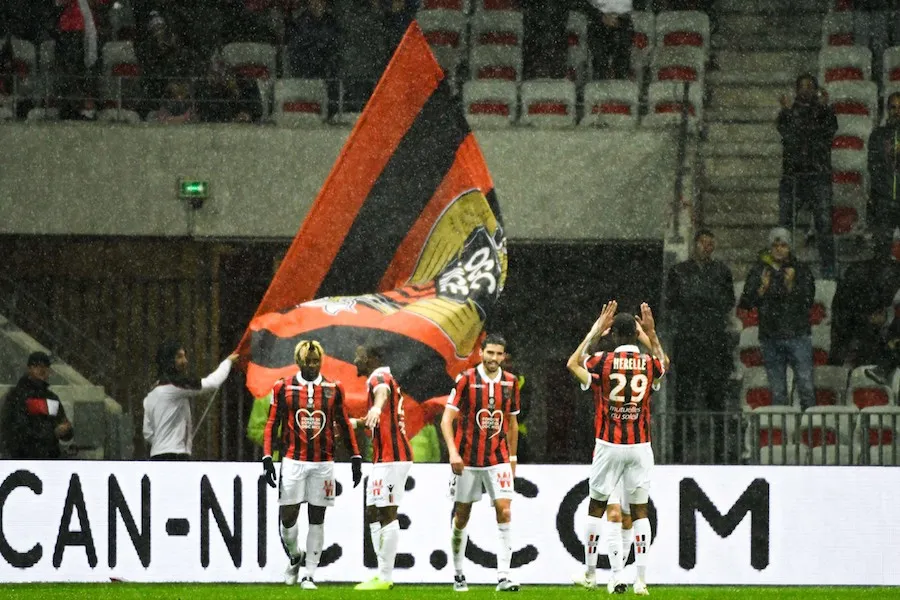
(621, 382)
(482, 452)
(391, 458)
(306, 408)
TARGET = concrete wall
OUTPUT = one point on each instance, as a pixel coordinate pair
(98, 179)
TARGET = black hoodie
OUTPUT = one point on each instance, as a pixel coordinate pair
(31, 413)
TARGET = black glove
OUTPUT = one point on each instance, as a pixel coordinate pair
(269, 469)
(356, 465)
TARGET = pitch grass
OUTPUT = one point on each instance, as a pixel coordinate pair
(199, 591)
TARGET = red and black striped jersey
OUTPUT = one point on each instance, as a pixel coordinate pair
(389, 443)
(622, 381)
(484, 405)
(307, 413)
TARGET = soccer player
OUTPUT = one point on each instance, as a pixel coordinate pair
(621, 382)
(306, 408)
(619, 536)
(391, 458)
(483, 452)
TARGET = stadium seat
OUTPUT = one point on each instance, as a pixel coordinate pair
(490, 103)
(837, 29)
(826, 434)
(858, 98)
(548, 103)
(830, 383)
(251, 60)
(863, 392)
(300, 102)
(845, 63)
(497, 28)
(849, 160)
(879, 434)
(644, 31)
(742, 318)
(682, 28)
(6, 113)
(774, 430)
(821, 343)
(678, 63)
(460, 5)
(24, 58)
(612, 103)
(665, 104)
(748, 347)
(496, 62)
(119, 60)
(489, 5)
(820, 313)
(118, 115)
(576, 39)
(445, 31)
(891, 66)
(755, 390)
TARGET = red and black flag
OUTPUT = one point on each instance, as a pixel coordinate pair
(403, 247)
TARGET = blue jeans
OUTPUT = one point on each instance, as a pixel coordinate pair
(812, 191)
(798, 353)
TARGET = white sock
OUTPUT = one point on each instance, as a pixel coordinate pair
(504, 551)
(315, 538)
(289, 537)
(614, 539)
(627, 540)
(642, 539)
(375, 530)
(390, 537)
(591, 539)
(458, 540)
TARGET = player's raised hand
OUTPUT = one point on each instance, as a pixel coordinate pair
(642, 336)
(606, 317)
(647, 323)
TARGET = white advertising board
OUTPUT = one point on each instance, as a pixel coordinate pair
(217, 522)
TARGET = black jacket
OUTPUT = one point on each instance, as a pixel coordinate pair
(806, 134)
(884, 166)
(31, 413)
(783, 313)
(699, 297)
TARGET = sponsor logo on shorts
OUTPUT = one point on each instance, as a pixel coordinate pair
(504, 479)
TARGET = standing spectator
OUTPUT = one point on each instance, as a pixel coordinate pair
(313, 48)
(34, 420)
(77, 51)
(228, 97)
(364, 50)
(807, 127)
(699, 298)
(610, 33)
(168, 426)
(883, 211)
(782, 290)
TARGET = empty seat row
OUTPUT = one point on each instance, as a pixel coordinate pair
(834, 386)
(854, 63)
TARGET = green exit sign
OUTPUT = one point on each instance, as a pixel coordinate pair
(193, 189)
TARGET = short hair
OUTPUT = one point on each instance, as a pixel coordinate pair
(806, 76)
(624, 326)
(306, 347)
(703, 231)
(493, 338)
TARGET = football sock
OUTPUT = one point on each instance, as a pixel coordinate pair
(614, 539)
(375, 530)
(627, 540)
(390, 537)
(289, 539)
(458, 540)
(642, 538)
(591, 539)
(315, 538)
(504, 551)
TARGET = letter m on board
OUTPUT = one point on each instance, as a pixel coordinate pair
(754, 500)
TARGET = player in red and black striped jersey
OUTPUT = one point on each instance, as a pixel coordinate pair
(621, 381)
(306, 408)
(392, 458)
(485, 402)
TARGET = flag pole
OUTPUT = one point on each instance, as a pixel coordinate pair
(205, 412)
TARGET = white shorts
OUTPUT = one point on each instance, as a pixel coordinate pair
(387, 483)
(629, 463)
(496, 479)
(621, 498)
(303, 481)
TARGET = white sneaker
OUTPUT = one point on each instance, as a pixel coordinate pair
(640, 588)
(307, 583)
(507, 585)
(585, 580)
(459, 583)
(290, 573)
(615, 585)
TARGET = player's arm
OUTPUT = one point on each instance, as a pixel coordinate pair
(647, 335)
(451, 412)
(512, 432)
(381, 391)
(349, 435)
(275, 413)
(575, 363)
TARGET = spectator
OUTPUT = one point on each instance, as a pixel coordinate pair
(34, 420)
(888, 359)
(177, 106)
(398, 14)
(168, 426)
(699, 298)
(313, 47)
(163, 58)
(807, 127)
(364, 50)
(77, 51)
(251, 21)
(883, 211)
(782, 290)
(227, 97)
(610, 33)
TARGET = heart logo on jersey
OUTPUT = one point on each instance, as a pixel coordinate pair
(487, 419)
(310, 420)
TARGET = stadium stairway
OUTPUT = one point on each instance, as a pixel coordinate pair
(759, 48)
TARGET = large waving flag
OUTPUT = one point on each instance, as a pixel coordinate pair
(404, 247)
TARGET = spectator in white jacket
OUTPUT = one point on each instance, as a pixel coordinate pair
(168, 427)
